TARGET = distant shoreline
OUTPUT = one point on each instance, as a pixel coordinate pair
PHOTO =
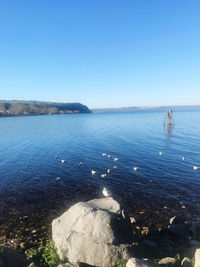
(140, 109)
(35, 108)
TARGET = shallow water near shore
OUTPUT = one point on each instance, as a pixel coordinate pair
(31, 150)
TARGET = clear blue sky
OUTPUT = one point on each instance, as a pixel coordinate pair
(103, 53)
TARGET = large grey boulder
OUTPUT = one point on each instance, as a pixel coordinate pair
(96, 232)
(133, 262)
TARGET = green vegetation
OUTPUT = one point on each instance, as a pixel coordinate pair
(45, 255)
(21, 108)
(119, 263)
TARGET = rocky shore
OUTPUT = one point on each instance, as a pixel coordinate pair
(100, 233)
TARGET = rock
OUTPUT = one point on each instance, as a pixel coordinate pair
(186, 262)
(133, 220)
(194, 243)
(145, 231)
(167, 261)
(9, 257)
(133, 262)
(32, 264)
(178, 229)
(94, 232)
(197, 258)
(195, 229)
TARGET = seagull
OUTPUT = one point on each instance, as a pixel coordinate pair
(109, 156)
(183, 158)
(56, 156)
(103, 154)
(93, 172)
(63, 160)
(116, 159)
(106, 193)
(80, 164)
(103, 175)
(160, 153)
(114, 167)
(196, 168)
(58, 178)
(135, 168)
(108, 170)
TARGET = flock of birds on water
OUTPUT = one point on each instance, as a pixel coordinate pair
(105, 191)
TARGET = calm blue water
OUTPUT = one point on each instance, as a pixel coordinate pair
(29, 167)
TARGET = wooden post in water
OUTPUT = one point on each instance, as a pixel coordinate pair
(169, 118)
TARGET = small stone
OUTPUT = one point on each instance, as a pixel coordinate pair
(172, 219)
(185, 262)
(133, 220)
(34, 231)
(22, 245)
(167, 261)
(133, 262)
(43, 228)
(165, 207)
(145, 231)
(141, 212)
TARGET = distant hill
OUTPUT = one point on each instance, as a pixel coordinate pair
(146, 108)
(22, 108)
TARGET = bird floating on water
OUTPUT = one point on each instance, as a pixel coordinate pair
(114, 167)
(103, 175)
(106, 192)
(135, 168)
(93, 172)
(116, 159)
(183, 158)
(56, 156)
(80, 164)
(108, 170)
(58, 178)
(103, 154)
(196, 168)
(109, 156)
(63, 161)
(160, 153)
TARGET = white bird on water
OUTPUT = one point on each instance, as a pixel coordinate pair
(80, 164)
(196, 168)
(93, 172)
(108, 170)
(109, 156)
(63, 161)
(116, 159)
(114, 167)
(135, 168)
(106, 192)
(103, 154)
(160, 153)
(103, 175)
(183, 158)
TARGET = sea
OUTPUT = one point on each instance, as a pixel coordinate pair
(36, 187)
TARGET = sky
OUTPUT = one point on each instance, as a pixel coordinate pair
(102, 53)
